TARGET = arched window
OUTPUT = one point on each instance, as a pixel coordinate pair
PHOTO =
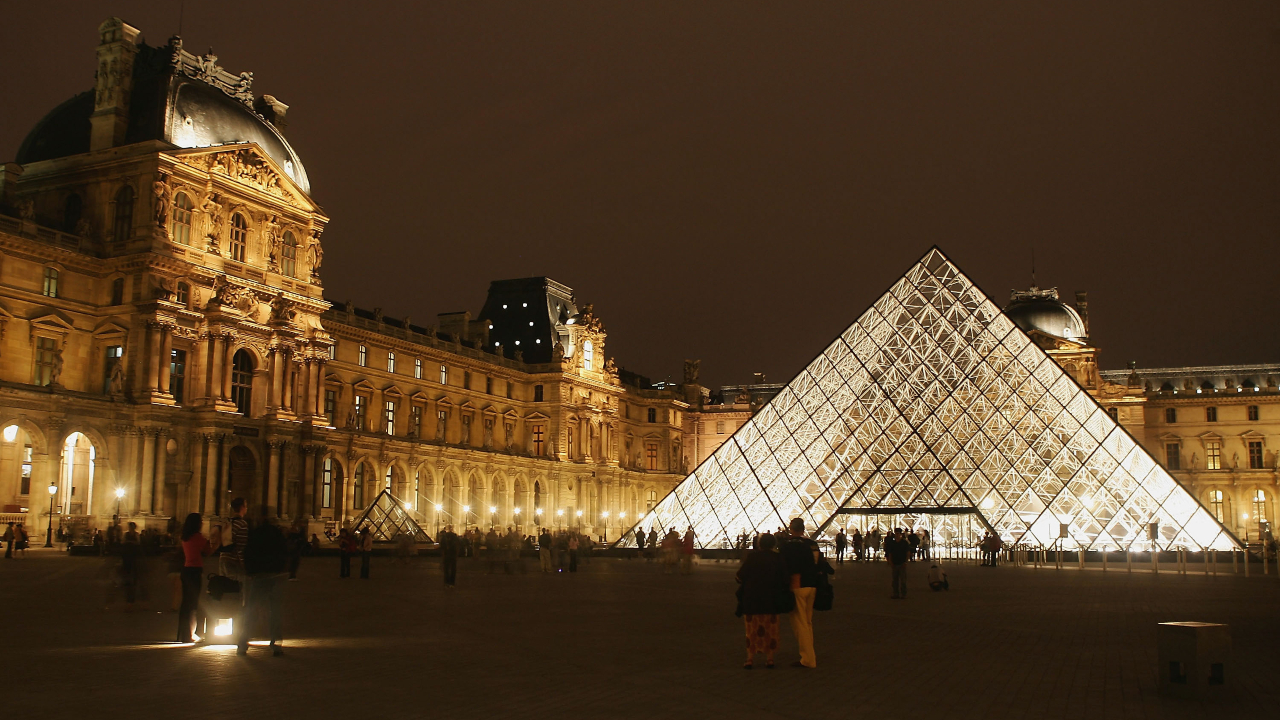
(1215, 504)
(289, 256)
(50, 282)
(588, 354)
(1260, 505)
(239, 234)
(326, 484)
(358, 487)
(242, 381)
(122, 227)
(72, 210)
(180, 229)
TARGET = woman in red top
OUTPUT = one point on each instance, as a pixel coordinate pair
(195, 548)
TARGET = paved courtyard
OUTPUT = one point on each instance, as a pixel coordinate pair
(620, 639)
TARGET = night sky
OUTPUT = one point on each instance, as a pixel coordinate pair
(737, 181)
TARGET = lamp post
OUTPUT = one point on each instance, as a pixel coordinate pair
(119, 494)
(466, 517)
(605, 517)
(560, 516)
(538, 517)
(438, 509)
(493, 515)
(579, 521)
(48, 533)
(516, 512)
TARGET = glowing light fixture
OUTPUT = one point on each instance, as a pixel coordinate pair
(11, 433)
(988, 502)
(579, 513)
(492, 509)
(537, 511)
(223, 628)
(466, 508)
(560, 512)
(516, 511)
(408, 506)
(439, 508)
(53, 489)
(119, 493)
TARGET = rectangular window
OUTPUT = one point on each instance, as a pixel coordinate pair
(653, 415)
(509, 389)
(361, 406)
(1215, 504)
(720, 427)
(538, 432)
(358, 487)
(626, 411)
(1211, 414)
(363, 356)
(1253, 413)
(415, 420)
(391, 362)
(117, 291)
(569, 446)
(46, 356)
(417, 368)
(114, 353)
(389, 417)
(333, 351)
(651, 454)
(488, 385)
(1255, 454)
(1171, 415)
(326, 484)
(537, 393)
(1114, 414)
(1173, 456)
(51, 282)
(1213, 454)
(386, 483)
(177, 374)
(330, 405)
(466, 379)
(444, 375)
(1260, 506)
(25, 487)
(442, 417)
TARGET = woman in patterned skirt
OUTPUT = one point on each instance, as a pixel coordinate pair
(765, 586)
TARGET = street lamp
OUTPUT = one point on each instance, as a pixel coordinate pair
(466, 516)
(560, 515)
(438, 509)
(579, 513)
(119, 494)
(48, 534)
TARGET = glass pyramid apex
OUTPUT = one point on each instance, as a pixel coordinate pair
(934, 401)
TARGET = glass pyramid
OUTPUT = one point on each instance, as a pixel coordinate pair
(934, 402)
(386, 518)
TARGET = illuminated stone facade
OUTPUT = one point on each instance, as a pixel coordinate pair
(165, 344)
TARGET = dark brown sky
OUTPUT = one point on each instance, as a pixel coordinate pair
(737, 181)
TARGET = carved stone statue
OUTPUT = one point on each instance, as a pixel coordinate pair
(691, 371)
(315, 254)
(164, 288)
(161, 192)
(84, 228)
(441, 418)
(508, 435)
(352, 418)
(1195, 461)
(488, 434)
(274, 241)
(466, 430)
(282, 311)
(26, 208)
(557, 352)
(213, 210)
(116, 387)
(55, 372)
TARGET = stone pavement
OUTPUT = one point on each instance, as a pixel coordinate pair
(620, 639)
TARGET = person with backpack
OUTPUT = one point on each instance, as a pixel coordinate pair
(266, 567)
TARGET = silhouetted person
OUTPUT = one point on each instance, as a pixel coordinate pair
(449, 555)
(366, 551)
(266, 566)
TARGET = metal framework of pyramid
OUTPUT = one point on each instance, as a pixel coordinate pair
(933, 402)
(386, 518)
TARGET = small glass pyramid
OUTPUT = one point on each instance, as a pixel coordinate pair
(387, 519)
(935, 402)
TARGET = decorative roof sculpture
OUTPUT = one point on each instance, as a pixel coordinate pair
(934, 402)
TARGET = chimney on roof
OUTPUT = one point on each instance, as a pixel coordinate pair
(273, 111)
(117, 47)
(1082, 307)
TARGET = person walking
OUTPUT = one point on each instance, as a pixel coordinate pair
(873, 543)
(266, 567)
(856, 541)
(449, 555)
(897, 550)
(801, 556)
(686, 552)
(366, 551)
(195, 548)
(926, 545)
(841, 541)
(764, 593)
(491, 552)
(346, 546)
(913, 542)
(573, 553)
(544, 550)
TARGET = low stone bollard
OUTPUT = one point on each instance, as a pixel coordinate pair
(1193, 659)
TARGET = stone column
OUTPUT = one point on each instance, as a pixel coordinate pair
(306, 403)
(275, 398)
(308, 492)
(228, 353)
(273, 477)
(291, 382)
(166, 355)
(154, 331)
(210, 475)
(224, 476)
(147, 478)
(216, 352)
(317, 388)
(162, 459)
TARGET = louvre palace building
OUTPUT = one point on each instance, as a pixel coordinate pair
(166, 346)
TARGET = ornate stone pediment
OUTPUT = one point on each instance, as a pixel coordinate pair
(248, 165)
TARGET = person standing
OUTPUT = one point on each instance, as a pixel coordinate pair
(544, 550)
(764, 583)
(873, 543)
(913, 542)
(9, 535)
(266, 567)
(573, 553)
(801, 556)
(926, 544)
(640, 541)
(366, 551)
(856, 540)
(841, 541)
(686, 552)
(449, 555)
(897, 550)
(195, 548)
(653, 544)
(346, 546)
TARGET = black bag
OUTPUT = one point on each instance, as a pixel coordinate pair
(824, 595)
(220, 585)
(785, 601)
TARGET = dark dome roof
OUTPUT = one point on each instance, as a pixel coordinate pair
(169, 106)
(1048, 315)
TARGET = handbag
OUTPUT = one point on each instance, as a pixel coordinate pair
(785, 601)
(220, 585)
(825, 595)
